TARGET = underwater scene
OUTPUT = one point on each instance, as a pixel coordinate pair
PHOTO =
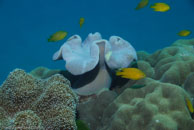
(97, 65)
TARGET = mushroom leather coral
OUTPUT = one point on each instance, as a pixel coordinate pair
(82, 58)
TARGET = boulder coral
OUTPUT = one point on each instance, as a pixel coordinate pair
(173, 64)
(160, 105)
(189, 83)
(91, 112)
(157, 106)
(94, 57)
(30, 103)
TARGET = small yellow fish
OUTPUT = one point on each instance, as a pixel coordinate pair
(81, 21)
(189, 105)
(184, 33)
(142, 4)
(60, 35)
(130, 73)
(160, 7)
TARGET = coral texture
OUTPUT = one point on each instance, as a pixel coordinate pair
(173, 64)
(29, 103)
(91, 112)
(156, 106)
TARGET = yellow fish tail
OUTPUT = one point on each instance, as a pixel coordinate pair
(118, 73)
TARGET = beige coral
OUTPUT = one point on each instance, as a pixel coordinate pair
(49, 103)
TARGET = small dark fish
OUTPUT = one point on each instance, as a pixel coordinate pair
(136, 86)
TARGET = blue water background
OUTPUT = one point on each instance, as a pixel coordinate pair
(25, 26)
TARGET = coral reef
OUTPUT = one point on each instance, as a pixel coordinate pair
(189, 83)
(91, 112)
(29, 103)
(159, 105)
(49, 102)
(151, 107)
(156, 106)
(173, 64)
(90, 57)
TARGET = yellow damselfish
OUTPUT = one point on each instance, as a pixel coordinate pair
(189, 105)
(130, 73)
(81, 21)
(60, 35)
(142, 4)
(160, 7)
(184, 33)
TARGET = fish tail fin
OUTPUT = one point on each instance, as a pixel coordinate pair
(118, 73)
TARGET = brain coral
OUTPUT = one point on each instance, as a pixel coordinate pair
(29, 103)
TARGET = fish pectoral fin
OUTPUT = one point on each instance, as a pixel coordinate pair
(125, 76)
